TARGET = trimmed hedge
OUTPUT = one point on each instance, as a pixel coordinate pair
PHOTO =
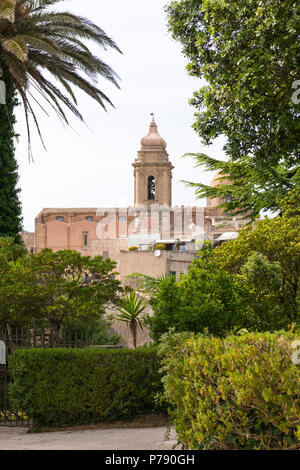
(241, 393)
(64, 387)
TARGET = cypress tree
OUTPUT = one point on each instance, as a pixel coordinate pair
(10, 206)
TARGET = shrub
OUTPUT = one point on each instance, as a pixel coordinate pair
(278, 240)
(63, 387)
(212, 298)
(133, 248)
(160, 246)
(262, 295)
(238, 393)
(203, 300)
(55, 288)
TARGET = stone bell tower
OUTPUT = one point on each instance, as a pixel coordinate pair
(153, 171)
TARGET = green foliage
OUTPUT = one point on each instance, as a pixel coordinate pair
(279, 241)
(132, 307)
(206, 299)
(98, 331)
(263, 293)
(10, 250)
(167, 308)
(10, 206)
(239, 393)
(56, 289)
(64, 387)
(246, 51)
(252, 189)
(147, 284)
(251, 282)
(133, 248)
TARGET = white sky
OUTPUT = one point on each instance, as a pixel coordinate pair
(92, 167)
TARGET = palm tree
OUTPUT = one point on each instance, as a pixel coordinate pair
(131, 309)
(35, 39)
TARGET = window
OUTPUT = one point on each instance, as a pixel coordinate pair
(105, 254)
(170, 247)
(60, 219)
(85, 239)
(151, 188)
(122, 218)
(90, 219)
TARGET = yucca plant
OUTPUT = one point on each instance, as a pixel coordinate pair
(132, 307)
(34, 39)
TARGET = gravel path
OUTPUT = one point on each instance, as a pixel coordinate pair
(96, 439)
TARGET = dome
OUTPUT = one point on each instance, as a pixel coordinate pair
(216, 181)
(153, 139)
(220, 179)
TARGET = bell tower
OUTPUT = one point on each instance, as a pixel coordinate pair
(153, 171)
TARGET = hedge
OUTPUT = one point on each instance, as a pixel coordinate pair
(238, 393)
(64, 387)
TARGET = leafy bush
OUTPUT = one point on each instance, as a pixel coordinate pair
(238, 393)
(278, 240)
(251, 282)
(203, 300)
(61, 387)
(160, 246)
(262, 294)
(56, 289)
(133, 248)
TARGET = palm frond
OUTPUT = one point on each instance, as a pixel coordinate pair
(34, 40)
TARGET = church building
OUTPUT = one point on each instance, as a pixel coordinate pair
(151, 236)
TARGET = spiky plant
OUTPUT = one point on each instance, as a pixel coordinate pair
(132, 307)
(36, 41)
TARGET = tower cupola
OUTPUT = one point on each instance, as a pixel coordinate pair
(153, 170)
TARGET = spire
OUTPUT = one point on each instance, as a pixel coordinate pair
(153, 139)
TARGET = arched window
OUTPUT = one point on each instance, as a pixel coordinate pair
(151, 188)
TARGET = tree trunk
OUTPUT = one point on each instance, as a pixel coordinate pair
(133, 328)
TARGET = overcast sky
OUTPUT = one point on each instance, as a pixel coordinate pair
(91, 166)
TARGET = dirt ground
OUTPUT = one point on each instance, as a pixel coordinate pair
(146, 432)
(122, 438)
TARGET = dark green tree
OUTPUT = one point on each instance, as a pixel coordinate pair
(207, 299)
(58, 288)
(10, 206)
(246, 51)
(277, 240)
(275, 189)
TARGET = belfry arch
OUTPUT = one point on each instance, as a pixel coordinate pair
(151, 188)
